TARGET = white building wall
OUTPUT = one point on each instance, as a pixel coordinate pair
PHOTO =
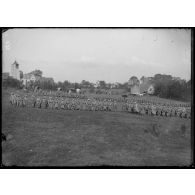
(15, 73)
(135, 89)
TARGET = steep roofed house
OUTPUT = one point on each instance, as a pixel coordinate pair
(134, 85)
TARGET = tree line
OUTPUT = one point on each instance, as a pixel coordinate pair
(165, 86)
(170, 87)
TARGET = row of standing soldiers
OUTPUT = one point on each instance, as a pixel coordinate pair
(132, 106)
(157, 110)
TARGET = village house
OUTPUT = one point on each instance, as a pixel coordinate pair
(134, 85)
(144, 85)
(29, 77)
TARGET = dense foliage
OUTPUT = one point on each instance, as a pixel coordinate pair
(11, 82)
(169, 87)
(165, 86)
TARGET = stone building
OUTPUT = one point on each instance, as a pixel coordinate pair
(15, 72)
(134, 85)
(144, 85)
(31, 77)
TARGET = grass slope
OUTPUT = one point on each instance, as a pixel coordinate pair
(81, 138)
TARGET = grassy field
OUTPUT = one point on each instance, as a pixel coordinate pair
(80, 138)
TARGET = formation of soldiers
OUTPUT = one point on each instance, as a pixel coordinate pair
(132, 105)
(17, 100)
(155, 109)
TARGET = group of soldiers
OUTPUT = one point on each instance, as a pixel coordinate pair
(102, 104)
(18, 100)
(154, 109)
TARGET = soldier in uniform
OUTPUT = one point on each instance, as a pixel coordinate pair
(38, 102)
(96, 105)
(33, 101)
(11, 99)
(183, 112)
(19, 101)
(153, 109)
(189, 113)
(101, 107)
(56, 103)
(50, 103)
(111, 106)
(107, 105)
(146, 108)
(123, 106)
(128, 107)
(172, 113)
(142, 109)
(72, 104)
(163, 111)
(175, 109)
(135, 108)
(90, 105)
(85, 105)
(158, 112)
(24, 102)
(16, 99)
(44, 103)
(77, 106)
(62, 104)
(68, 104)
(132, 105)
(104, 105)
(168, 111)
(149, 110)
(81, 104)
(115, 106)
(178, 112)
(65, 104)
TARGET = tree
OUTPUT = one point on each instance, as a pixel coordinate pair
(162, 78)
(77, 85)
(38, 73)
(174, 90)
(102, 84)
(85, 84)
(66, 85)
(11, 82)
(167, 86)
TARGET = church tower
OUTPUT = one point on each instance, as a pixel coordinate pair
(15, 73)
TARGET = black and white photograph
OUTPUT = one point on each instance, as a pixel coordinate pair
(97, 97)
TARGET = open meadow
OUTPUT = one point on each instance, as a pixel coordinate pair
(44, 137)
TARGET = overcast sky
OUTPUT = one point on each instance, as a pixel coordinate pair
(113, 55)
